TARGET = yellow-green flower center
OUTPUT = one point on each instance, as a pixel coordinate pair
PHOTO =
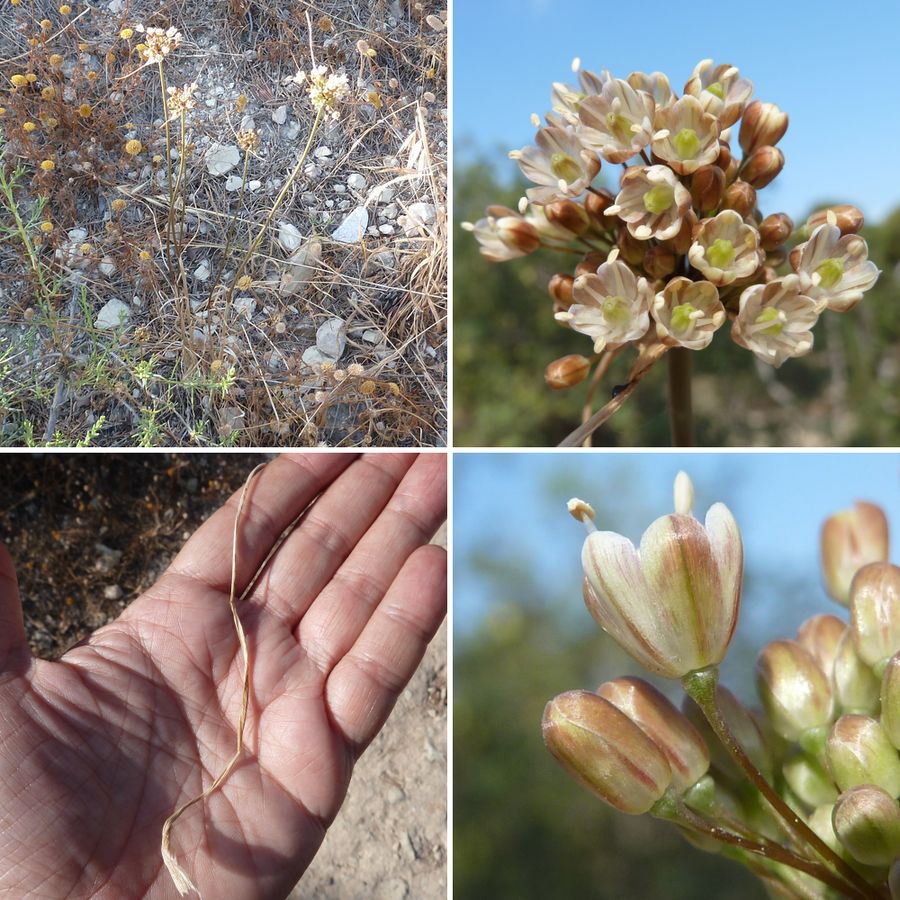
(687, 144)
(565, 167)
(721, 253)
(615, 310)
(770, 315)
(830, 271)
(681, 316)
(717, 90)
(659, 198)
(619, 127)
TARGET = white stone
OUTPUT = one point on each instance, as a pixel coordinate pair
(331, 337)
(116, 6)
(289, 237)
(292, 131)
(113, 315)
(386, 229)
(279, 117)
(356, 182)
(351, 230)
(300, 268)
(244, 306)
(222, 158)
(312, 356)
(107, 266)
(322, 152)
(203, 271)
(372, 336)
(385, 259)
(386, 193)
(420, 214)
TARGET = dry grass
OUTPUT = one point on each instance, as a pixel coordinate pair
(191, 367)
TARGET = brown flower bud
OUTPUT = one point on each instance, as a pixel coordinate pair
(849, 219)
(867, 822)
(763, 125)
(568, 215)
(740, 197)
(875, 613)
(567, 371)
(859, 752)
(851, 539)
(707, 186)
(774, 230)
(603, 749)
(821, 635)
(763, 166)
(560, 290)
(724, 159)
(590, 263)
(732, 169)
(596, 203)
(660, 261)
(631, 249)
(665, 725)
(769, 273)
(682, 241)
(794, 256)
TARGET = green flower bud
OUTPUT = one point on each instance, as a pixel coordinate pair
(664, 724)
(867, 822)
(856, 688)
(875, 613)
(820, 822)
(859, 752)
(851, 539)
(821, 635)
(809, 780)
(794, 690)
(603, 749)
(890, 700)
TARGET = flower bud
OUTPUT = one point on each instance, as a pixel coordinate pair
(848, 218)
(560, 290)
(707, 186)
(867, 822)
(875, 613)
(820, 822)
(631, 249)
(681, 243)
(660, 261)
(856, 688)
(859, 752)
(763, 124)
(774, 230)
(724, 159)
(603, 749)
(591, 262)
(568, 215)
(567, 371)
(795, 255)
(740, 197)
(763, 166)
(673, 603)
(795, 692)
(851, 539)
(596, 203)
(820, 635)
(807, 778)
(665, 725)
(732, 169)
(890, 700)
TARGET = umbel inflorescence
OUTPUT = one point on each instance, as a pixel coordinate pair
(681, 247)
(803, 792)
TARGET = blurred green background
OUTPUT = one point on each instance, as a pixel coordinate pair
(522, 828)
(845, 393)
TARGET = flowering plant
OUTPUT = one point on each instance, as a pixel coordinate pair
(681, 246)
(803, 792)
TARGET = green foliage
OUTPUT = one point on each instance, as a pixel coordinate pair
(844, 393)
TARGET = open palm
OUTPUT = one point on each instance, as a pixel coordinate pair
(96, 750)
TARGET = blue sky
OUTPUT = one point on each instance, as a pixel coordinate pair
(830, 65)
(512, 506)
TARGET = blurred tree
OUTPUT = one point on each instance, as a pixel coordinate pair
(845, 393)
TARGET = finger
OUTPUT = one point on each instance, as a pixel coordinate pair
(364, 685)
(310, 556)
(277, 496)
(341, 611)
(13, 644)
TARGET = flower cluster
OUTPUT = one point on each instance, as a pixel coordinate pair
(157, 43)
(326, 89)
(181, 99)
(681, 245)
(806, 791)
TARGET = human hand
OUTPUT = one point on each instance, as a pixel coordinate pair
(96, 750)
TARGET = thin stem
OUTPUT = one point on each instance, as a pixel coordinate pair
(681, 416)
(13, 207)
(229, 234)
(170, 221)
(646, 158)
(605, 360)
(180, 187)
(700, 686)
(278, 201)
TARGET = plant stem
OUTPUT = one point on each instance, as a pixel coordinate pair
(681, 417)
(275, 206)
(701, 686)
(229, 234)
(170, 220)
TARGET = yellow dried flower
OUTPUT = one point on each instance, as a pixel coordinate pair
(48, 165)
(33, 42)
(2, 111)
(83, 47)
(244, 282)
(14, 2)
(46, 24)
(144, 255)
(375, 99)
(56, 60)
(133, 147)
(85, 110)
(394, 388)
(48, 93)
(46, 227)
(240, 103)
(28, 127)
(157, 159)
(85, 249)
(367, 387)
(214, 366)
(247, 140)
(126, 33)
(119, 204)
(110, 57)
(92, 76)
(51, 122)
(31, 78)
(65, 9)
(19, 80)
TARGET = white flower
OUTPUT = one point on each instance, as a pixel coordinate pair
(611, 306)
(326, 89)
(834, 270)
(721, 90)
(656, 84)
(687, 313)
(617, 123)
(652, 202)
(559, 164)
(158, 43)
(687, 136)
(775, 320)
(726, 248)
(565, 98)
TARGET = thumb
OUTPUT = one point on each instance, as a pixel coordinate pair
(12, 628)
